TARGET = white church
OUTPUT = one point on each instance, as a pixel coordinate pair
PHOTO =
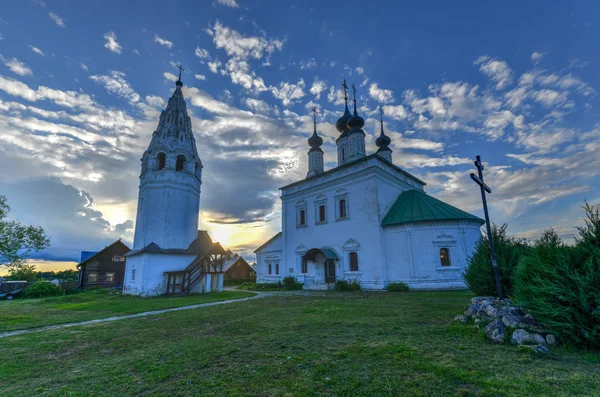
(366, 219)
(170, 255)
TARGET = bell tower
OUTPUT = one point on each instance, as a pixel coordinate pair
(169, 191)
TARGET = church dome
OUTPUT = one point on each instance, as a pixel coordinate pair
(356, 121)
(315, 141)
(383, 140)
(342, 124)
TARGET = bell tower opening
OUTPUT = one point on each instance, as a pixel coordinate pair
(180, 164)
(162, 161)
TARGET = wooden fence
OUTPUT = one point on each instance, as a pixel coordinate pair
(9, 286)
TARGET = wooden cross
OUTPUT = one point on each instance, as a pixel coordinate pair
(485, 188)
(181, 69)
(345, 89)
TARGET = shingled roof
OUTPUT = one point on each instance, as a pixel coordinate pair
(416, 206)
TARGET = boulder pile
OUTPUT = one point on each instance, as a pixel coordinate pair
(501, 322)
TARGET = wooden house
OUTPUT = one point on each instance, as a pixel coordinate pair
(236, 268)
(104, 269)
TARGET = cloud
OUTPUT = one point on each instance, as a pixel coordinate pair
(214, 66)
(359, 70)
(228, 3)
(318, 86)
(288, 92)
(237, 45)
(200, 77)
(163, 42)
(18, 67)
(84, 66)
(115, 83)
(381, 95)
(136, 52)
(537, 57)
(58, 20)
(73, 225)
(111, 43)
(36, 50)
(310, 64)
(335, 96)
(497, 70)
(202, 53)
(397, 112)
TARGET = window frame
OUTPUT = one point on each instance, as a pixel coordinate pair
(95, 277)
(341, 195)
(301, 206)
(183, 159)
(118, 258)
(270, 269)
(321, 202)
(161, 159)
(112, 277)
(448, 257)
(352, 254)
(277, 269)
(449, 242)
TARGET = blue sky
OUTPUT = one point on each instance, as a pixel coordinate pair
(82, 84)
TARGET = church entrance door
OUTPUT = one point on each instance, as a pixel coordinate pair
(329, 271)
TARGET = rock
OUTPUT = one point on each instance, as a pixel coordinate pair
(481, 299)
(550, 340)
(542, 350)
(510, 320)
(490, 311)
(461, 318)
(472, 310)
(495, 331)
(522, 337)
(539, 339)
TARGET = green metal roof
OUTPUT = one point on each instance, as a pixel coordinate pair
(416, 206)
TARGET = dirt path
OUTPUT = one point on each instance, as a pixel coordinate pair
(128, 316)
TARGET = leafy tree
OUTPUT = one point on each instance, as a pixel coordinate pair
(18, 240)
(24, 272)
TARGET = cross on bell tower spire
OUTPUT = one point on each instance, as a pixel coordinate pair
(181, 69)
(345, 91)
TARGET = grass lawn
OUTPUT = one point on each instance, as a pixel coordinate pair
(343, 344)
(31, 313)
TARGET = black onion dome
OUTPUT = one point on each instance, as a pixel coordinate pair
(342, 124)
(356, 121)
(383, 140)
(315, 140)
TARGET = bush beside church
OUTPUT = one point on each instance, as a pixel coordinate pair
(558, 284)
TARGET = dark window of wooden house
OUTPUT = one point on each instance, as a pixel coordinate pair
(353, 262)
(92, 277)
(270, 269)
(180, 164)
(162, 161)
(342, 205)
(445, 257)
(321, 213)
(109, 277)
(277, 268)
(117, 258)
(302, 217)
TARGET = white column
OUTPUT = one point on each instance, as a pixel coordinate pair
(207, 280)
(220, 282)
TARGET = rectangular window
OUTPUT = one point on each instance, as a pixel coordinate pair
(109, 277)
(342, 208)
(304, 266)
(270, 269)
(353, 256)
(132, 274)
(92, 277)
(277, 268)
(445, 257)
(321, 213)
(117, 258)
(302, 217)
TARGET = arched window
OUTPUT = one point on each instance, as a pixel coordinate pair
(353, 256)
(162, 161)
(180, 164)
(270, 269)
(445, 257)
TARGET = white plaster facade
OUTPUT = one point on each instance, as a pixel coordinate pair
(340, 214)
(168, 206)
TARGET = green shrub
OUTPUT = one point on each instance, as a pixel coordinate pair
(347, 285)
(262, 286)
(479, 275)
(42, 289)
(291, 283)
(229, 282)
(560, 285)
(398, 287)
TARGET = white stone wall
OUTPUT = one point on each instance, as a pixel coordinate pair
(149, 272)
(168, 207)
(412, 253)
(271, 253)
